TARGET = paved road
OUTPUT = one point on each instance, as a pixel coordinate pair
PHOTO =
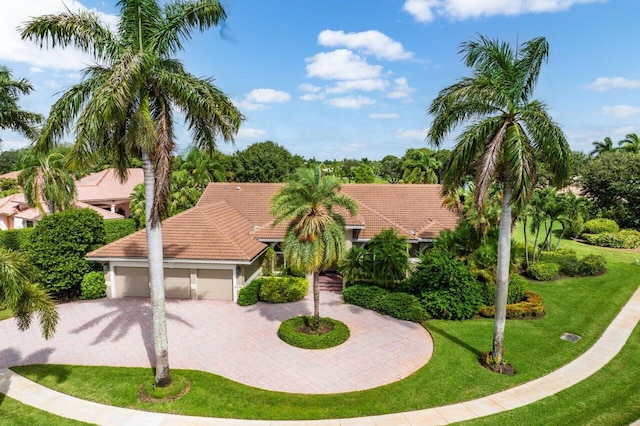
(239, 343)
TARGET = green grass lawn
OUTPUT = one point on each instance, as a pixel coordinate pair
(5, 313)
(14, 413)
(584, 306)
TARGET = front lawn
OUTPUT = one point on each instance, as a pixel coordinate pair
(5, 313)
(14, 413)
(583, 306)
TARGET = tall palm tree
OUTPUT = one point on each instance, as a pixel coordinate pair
(602, 147)
(49, 181)
(22, 296)
(314, 238)
(630, 143)
(12, 117)
(507, 131)
(124, 107)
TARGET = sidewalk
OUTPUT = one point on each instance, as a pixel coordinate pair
(609, 344)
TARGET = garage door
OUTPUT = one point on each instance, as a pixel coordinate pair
(215, 284)
(177, 284)
(132, 282)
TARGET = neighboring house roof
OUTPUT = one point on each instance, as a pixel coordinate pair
(106, 186)
(213, 232)
(15, 205)
(11, 175)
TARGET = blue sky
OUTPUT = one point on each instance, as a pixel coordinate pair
(353, 79)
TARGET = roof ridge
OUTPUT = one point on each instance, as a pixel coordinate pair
(386, 219)
(208, 218)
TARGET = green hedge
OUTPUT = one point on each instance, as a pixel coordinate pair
(515, 293)
(118, 228)
(93, 286)
(282, 289)
(290, 332)
(543, 271)
(249, 294)
(599, 226)
(591, 265)
(626, 239)
(16, 239)
(397, 305)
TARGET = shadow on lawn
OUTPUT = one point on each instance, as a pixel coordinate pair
(433, 329)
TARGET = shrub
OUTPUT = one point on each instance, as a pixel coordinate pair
(249, 294)
(365, 296)
(391, 254)
(269, 262)
(397, 305)
(599, 226)
(58, 248)
(447, 288)
(16, 239)
(627, 239)
(291, 332)
(543, 271)
(515, 293)
(591, 265)
(575, 227)
(118, 228)
(93, 286)
(531, 307)
(282, 289)
(402, 306)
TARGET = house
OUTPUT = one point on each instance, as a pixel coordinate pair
(217, 247)
(101, 191)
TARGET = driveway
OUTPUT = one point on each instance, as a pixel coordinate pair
(239, 343)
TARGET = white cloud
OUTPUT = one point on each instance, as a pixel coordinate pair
(427, 10)
(370, 42)
(421, 10)
(52, 84)
(351, 102)
(602, 84)
(341, 64)
(312, 97)
(250, 133)
(412, 134)
(401, 89)
(309, 88)
(353, 147)
(258, 99)
(13, 48)
(35, 70)
(386, 116)
(621, 111)
(366, 85)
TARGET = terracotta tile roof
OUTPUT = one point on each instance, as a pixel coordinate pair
(106, 186)
(414, 210)
(11, 175)
(35, 214)
(8, 204)
(215, 231)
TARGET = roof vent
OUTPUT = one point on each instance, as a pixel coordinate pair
(412, 232)
(237, 188)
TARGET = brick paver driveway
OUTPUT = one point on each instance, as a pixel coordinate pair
(226, 339)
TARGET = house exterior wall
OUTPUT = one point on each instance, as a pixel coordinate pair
(253, 270)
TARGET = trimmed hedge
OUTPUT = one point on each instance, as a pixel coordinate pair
(599, 226)
(515, 293)
(591, 265)
(530, 308)
(93, 286)
(625, 239)
(118, 228)
(16, 239)
(249, 294)
(543, 271)
(290, 332)
(282, 289)
(397, 305)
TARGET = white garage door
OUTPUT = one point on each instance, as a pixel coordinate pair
(215, 284)
(177, 284)
(132, 282)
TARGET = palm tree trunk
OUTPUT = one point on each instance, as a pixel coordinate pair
(526, 244)
(156, 278)
(316, 300)
(502, 275)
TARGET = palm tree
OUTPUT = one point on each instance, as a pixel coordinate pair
(22, 296)
(355, 266)
(630, 143)
(314, 238)
(11, 116)
(507, 131)
(602, 147)
(389, 258)
(124, 107)
(49, 181)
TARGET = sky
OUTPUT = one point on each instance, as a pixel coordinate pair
(334, 79)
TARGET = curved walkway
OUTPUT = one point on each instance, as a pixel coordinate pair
(609, 344)
(239, 343)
